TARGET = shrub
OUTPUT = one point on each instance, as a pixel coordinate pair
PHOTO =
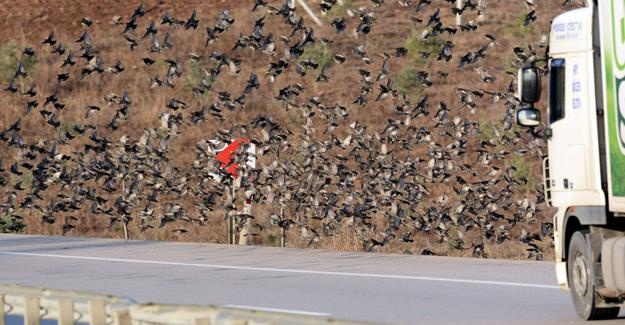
(10, 55)
(320, 54)
(406, 82)
(193, 74)
(417, 46)
(27, 180)
(339, 10)
(488, 130)
(67, 126)
(524, 172)
(12, 224)
(517, 27)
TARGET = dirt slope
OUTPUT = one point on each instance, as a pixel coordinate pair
(500, 212)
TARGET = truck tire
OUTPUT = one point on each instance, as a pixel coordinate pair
(581, 280)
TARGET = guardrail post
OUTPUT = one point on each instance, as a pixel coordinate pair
(97, 312)
(31, 311)
(66, 312)
(202, 321)
(121, 317)
(1, 308)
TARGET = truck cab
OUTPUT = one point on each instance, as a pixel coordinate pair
(584, 171)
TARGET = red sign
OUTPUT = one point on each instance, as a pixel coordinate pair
(227, 154)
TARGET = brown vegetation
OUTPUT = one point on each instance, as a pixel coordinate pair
(27, 22)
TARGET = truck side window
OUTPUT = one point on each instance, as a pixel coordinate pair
(556, 90)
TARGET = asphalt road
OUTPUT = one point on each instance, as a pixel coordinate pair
(385, 288)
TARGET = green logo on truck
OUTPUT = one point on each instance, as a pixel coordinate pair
(614, 61)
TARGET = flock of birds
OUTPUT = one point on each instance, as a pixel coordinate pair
(423, 172)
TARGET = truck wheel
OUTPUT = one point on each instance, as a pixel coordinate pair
(581, 280)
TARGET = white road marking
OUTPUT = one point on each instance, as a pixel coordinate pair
(296, 271)
(278, 310)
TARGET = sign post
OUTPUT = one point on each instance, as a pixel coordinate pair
(282, 229)
(226, 156)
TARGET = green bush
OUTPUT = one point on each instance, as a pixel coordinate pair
(523, 171)
(488, 130)
(512, 64)
(339, 10)
(67, 126)
(518, 29)
(10, 55)
(271, 240)
(416, 46)
(12, 224)
(320, 54)
(192, 76)
(27, 180)
(407, 83)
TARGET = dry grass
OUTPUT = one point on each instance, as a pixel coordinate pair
(27, 22)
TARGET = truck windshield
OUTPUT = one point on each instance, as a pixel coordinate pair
(556, 90)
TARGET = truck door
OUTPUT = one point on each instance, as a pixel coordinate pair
(567, 108)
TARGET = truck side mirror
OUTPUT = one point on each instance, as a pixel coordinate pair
(528, 116)
(529, 85)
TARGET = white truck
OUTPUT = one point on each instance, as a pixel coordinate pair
(584, 172)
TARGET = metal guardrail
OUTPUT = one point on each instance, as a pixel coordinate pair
(66, 307)
(69, 307)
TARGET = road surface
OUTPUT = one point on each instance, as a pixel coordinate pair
(396, 289)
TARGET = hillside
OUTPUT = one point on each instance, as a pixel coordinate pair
(371, 134)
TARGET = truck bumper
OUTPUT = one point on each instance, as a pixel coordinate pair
(561, 275)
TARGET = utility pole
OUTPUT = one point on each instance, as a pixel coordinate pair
(310, 12)
(458, 16)
(481, 13)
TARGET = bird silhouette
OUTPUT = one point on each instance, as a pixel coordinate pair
(392, 141)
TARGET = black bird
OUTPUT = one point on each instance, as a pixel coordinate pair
(139, 12)
(30, 105)
(59, 49)
(15, 169)
(252, 83)
(11, 87)
(28, 51)
(169, 20)
(339, 24)
(132, 42)
(259, 3)
(86, 21)
(192, 22)
(61, 77)
(130, 25)
(50, 40)
(21, 70)
(116, 68)
(339, 58)
(50, 99)
(32, 91)
(151, 30)
(529, 18)
(69, 60)
(85, 39)
(148, 61)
